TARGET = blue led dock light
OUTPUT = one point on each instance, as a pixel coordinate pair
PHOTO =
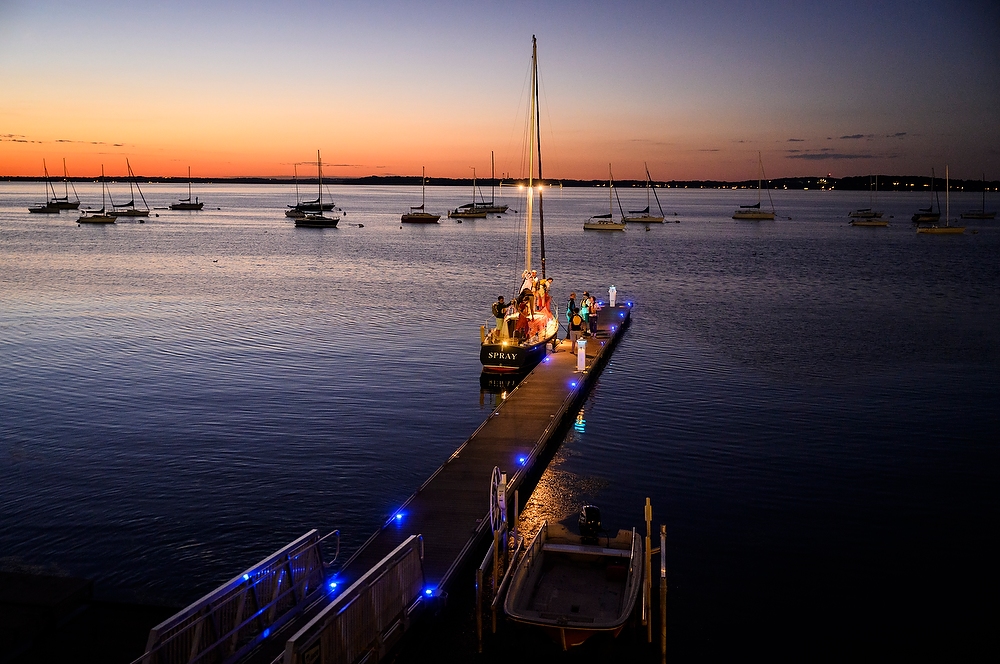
(428, 592)
(521, 460)
(246, 577)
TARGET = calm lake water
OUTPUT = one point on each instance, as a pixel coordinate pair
(811, 407)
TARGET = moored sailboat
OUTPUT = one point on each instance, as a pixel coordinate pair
(643, 216)
(981, 213)
(417, 214)
(187, 203)
(947, 229)
(63, 202)
(484, 206)
(102, 216)
(519, 342)
(47, 207)
(469, 210)
(130, 209)
(868, 213)
(606, 222)
(929, 214)
(317, 219)
(753, 212)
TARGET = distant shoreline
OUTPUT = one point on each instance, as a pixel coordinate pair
(852, 183)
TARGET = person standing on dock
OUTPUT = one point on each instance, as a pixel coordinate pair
(585, 313)
(591, 305)
(570, 311)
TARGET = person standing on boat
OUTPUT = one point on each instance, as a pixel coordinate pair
(529, 284)
(543, 301)
(500, 313)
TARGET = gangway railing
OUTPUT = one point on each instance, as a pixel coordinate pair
(234, 618)
(366, 619)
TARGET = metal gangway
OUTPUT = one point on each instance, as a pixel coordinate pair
(249, 618)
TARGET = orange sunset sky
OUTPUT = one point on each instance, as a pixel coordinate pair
(386, 87)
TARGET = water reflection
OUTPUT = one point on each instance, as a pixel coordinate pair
(558, 496)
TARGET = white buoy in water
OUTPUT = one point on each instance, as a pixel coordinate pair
(581, 354)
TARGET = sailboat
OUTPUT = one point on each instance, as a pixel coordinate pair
(868, 213)
(129, 209)
(947, 229)
(502, 352)
(317, 219)
(102, 216)
(469, 210)
(47, 207)
(484, 206)
(928, 214)
(417, 214)
(981, 213)
(294, 211)
(643, 216)
(187, 203)
(754, 212)
(606, 222)
(63, 202)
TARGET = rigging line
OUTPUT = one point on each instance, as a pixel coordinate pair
(541, 182)
(651, 186)
(517, 114)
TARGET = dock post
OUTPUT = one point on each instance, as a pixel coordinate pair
(663, 594)
(497, 537)
(479, 608)
(648, 580)
(515, 515)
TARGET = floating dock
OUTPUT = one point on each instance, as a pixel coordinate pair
(411, 560)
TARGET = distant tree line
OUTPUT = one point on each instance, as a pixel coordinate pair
(852, 183)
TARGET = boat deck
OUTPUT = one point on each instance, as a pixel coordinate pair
(578, 589)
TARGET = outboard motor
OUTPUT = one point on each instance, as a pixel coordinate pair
(590, 523)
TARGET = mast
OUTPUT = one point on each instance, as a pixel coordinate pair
(760, 175)
(649, 181)
(189, 184)
(611, 201)
(531, 150)
(423, 170)
(67, 183)
(48, 185)
(947, 190)
(493, 175)
(295, 174)
(319, 171)
(538, 132)
(104, 187)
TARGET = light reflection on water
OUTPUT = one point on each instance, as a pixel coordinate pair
(801, 400)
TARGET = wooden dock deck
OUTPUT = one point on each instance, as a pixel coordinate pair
(451, 508)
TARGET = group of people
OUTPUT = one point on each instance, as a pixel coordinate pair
(532, 299)
(581, 319)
